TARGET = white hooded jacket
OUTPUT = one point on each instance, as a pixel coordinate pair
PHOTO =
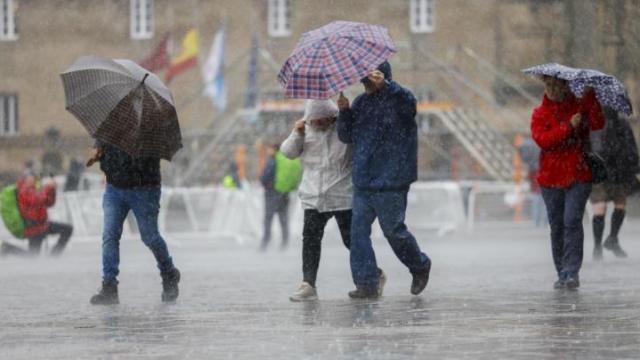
(326, 162)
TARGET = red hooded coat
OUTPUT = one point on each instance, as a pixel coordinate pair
(562, 160)
(33, 204)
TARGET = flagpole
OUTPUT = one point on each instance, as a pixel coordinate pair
(196, 94)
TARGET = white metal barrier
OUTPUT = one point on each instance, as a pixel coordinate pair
(495, 202)
(215, 211)
(435, 206)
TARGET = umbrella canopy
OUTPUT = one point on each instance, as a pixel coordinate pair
(609, 90)
(123, 104)
(329, 59)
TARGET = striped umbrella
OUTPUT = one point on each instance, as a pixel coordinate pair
(329, 59)
(123, 104)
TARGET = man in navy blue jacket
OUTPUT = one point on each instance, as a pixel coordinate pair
(382, 128)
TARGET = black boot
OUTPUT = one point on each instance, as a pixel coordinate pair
(108, 295)
(597, 252)
(170, 282)
(598, 228)
(420, 280)
(612, 244)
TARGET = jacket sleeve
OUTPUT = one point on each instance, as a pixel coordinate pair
(548, 137)
(293, 145)
(345, 125)
(42, 198)
(269, 173)
(592, 108)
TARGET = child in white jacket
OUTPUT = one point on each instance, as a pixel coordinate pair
(326, 189)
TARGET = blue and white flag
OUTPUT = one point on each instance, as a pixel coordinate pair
(213, 72)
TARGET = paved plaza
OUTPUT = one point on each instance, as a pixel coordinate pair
(490, 297)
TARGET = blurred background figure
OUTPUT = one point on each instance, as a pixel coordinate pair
(279, 177)
(52, 158)
(33, 201)
(28, 168)
(530, 155)
(231, 180)
(617, 146)
(72, 182)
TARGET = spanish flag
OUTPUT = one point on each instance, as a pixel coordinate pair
(188, 57)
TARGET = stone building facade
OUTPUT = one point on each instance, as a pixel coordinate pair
(432, 35)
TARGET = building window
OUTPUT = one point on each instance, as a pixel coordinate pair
(141, 21)
(8, 114)
(422, 15)
(8, 27)
(279, 18)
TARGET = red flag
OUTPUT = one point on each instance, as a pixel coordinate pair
(158, 59)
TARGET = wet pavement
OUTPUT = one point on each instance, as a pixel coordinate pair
(490, 297)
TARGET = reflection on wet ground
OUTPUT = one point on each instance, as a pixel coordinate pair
(490, 297)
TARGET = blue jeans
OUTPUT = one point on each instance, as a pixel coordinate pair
(565, 209)
(389, 207)
(145, 204)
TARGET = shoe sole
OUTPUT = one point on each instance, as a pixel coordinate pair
(312, 298)
(105, 303)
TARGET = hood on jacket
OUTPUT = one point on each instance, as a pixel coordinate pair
(319, 109)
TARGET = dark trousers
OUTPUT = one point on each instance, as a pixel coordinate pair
(55, 228)
(276, 203)
(312, 233)
(565, 209)
(389, 207)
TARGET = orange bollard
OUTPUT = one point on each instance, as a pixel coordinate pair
(518, 176)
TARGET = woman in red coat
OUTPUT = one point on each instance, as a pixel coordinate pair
(560, 126)
(33, 203)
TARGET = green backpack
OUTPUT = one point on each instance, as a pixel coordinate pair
(288, 174)
(10, 212)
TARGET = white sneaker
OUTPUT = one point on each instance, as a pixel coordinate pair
(305, 292)
(382, 280)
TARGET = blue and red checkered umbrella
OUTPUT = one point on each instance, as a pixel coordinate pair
(329, 59)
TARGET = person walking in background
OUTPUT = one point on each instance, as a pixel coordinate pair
(382, 129)
(231, 180)
(530, 154)
(28, 168)
(132, 184)
(74, 174)
(617, 146)
(280, 177)
(325, 191)
(33, 202)
(560, 125)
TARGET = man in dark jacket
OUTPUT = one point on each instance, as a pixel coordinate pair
(279, 177)
(617, 146)
(132, 184)
(382, 128)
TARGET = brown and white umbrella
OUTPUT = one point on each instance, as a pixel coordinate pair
(122, 104)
